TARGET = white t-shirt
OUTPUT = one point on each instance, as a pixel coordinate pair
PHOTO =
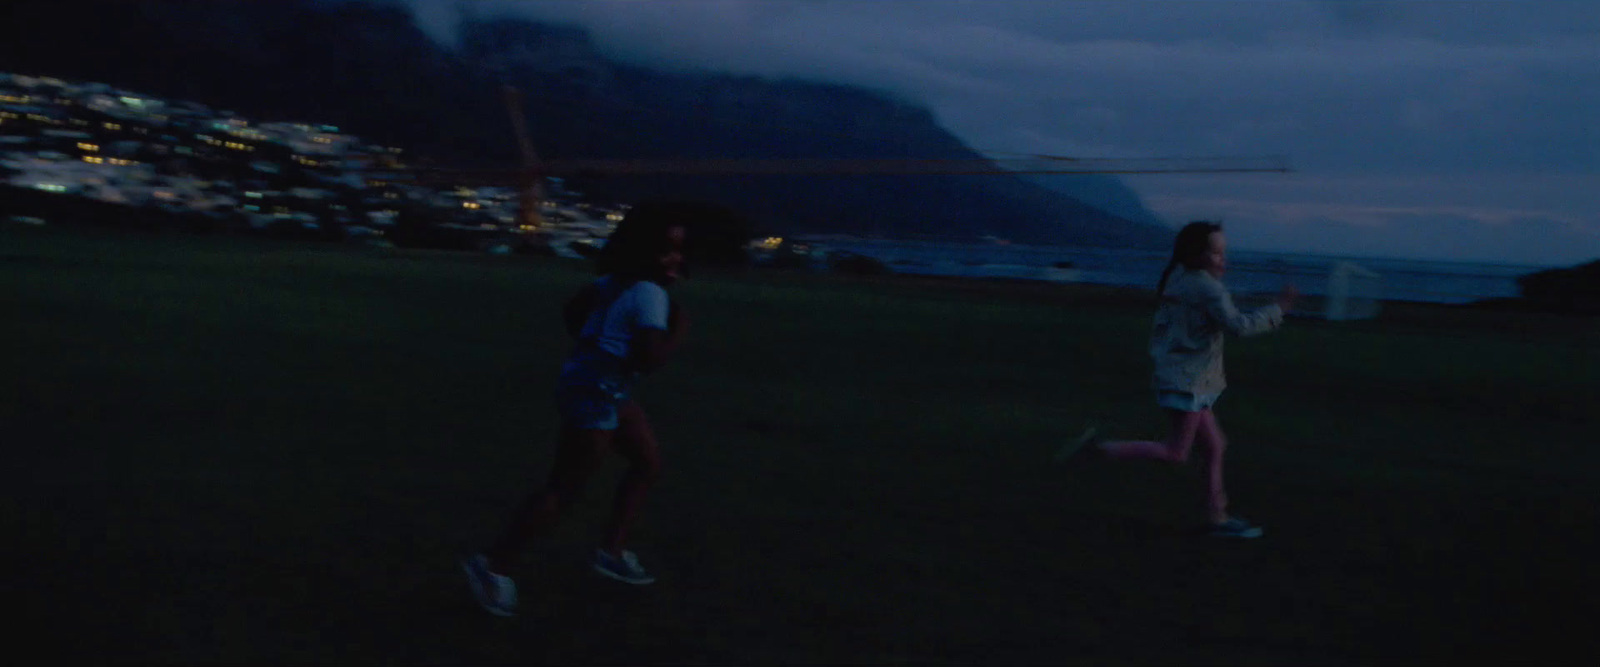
(643, 305)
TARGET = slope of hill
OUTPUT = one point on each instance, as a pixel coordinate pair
(366, 67)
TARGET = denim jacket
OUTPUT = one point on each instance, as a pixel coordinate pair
(1186, 339)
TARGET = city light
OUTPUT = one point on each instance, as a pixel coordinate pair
(97, 139)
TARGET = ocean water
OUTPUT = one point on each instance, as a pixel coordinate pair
(1249, 273)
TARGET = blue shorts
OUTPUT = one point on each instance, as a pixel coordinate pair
(1185, 401)
(592, 388)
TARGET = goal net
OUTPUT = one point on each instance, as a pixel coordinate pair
(1353, 293)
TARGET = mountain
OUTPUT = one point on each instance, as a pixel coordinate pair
(1105, 192)
(365, 67)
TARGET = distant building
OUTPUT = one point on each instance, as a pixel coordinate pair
(310, 193)
(98, 141)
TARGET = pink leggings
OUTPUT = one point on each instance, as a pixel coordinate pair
(1187, 427)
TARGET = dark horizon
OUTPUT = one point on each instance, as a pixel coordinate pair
(1408, 123)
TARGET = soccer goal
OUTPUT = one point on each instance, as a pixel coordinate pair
(1353, 293)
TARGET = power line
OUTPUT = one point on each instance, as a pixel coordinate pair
(1095, 165)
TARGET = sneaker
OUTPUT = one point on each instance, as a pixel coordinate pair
(1237, 528)
(1085, 447)
(497, 593)
(625, 569)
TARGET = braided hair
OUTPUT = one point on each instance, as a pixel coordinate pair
(1192, 242)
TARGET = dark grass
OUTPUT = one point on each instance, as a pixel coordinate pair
(228, 451)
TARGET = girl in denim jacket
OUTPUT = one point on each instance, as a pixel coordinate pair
(1195, 313)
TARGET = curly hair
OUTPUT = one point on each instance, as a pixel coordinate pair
(634, 250)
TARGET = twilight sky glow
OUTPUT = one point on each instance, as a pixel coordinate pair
(1436, 130)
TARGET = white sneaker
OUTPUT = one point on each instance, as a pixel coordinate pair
(497, 593)
(625, 569)
(1236, 527)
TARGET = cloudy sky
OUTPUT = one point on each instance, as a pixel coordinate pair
(1441, 130)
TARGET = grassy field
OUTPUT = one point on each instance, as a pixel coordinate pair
(219, 450)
